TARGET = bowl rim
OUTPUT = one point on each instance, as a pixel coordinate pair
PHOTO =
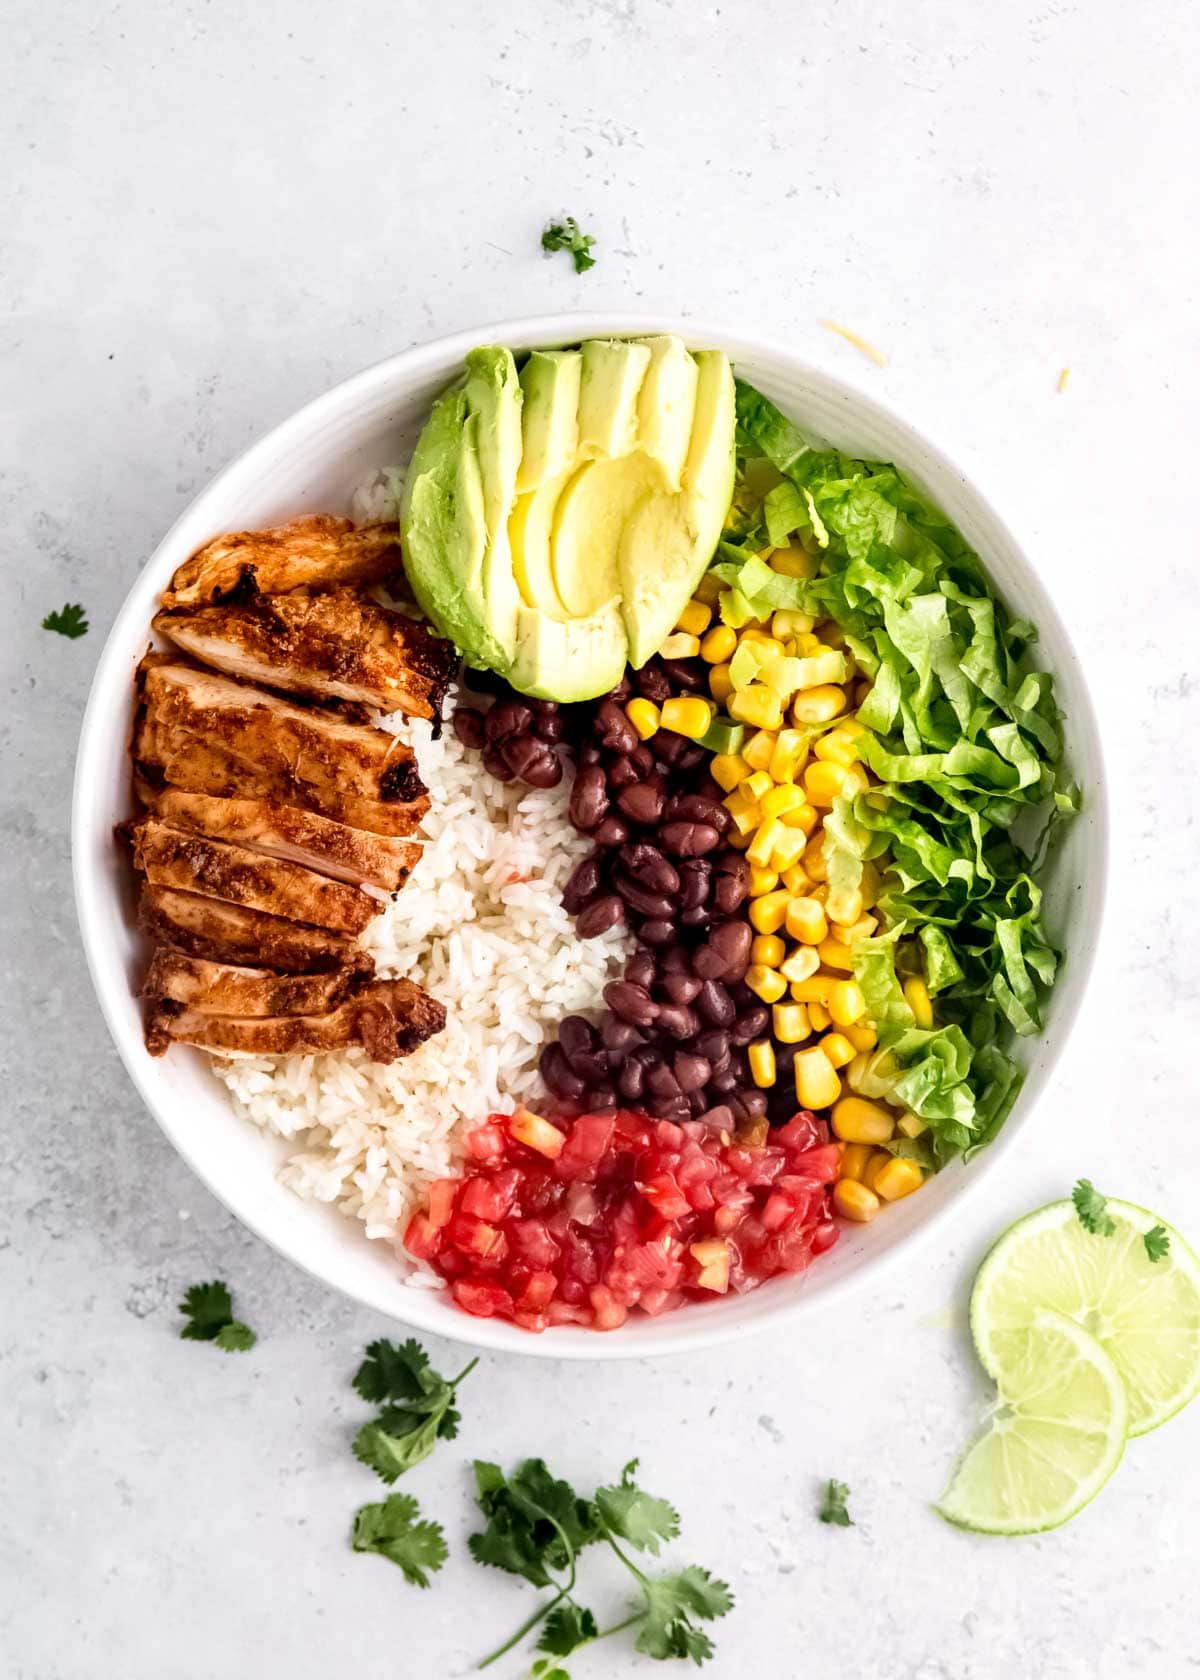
(407, 366)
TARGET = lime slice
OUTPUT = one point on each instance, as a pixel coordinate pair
(1145, 1312)
(1055, 1437)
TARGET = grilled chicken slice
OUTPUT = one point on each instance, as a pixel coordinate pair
(285, 831)
(389, 1018)
(334, 646)
(304, 745)
(172, 857)
(221, 932)
(306, 553)
(216, 988)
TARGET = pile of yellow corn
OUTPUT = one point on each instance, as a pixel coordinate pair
(796, 753)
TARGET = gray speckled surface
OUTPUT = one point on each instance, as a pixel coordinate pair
(215, 212)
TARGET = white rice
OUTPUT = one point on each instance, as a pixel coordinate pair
(377, 497)
(480, 925)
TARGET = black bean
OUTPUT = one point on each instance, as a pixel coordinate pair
(677, 1020)
(713, 1044)
(646, 864)
(618, 734)
(691, 758)
(549, 727)
(753, 1103)
(622, 691)
(695, 880)
(589, 798)
(690, 807)
(742, 995)
(675, 1108)
(681, 988)
(642, 759)
(641, 969)
(731, 883)
(577, 1037)
(631, 1078)
(618, 1037)
(726, 952)
(590, 754)
(715, 1004)
(583, 883)
(662, 1081)
(599, 916)
(721, 1084)
(610, 831)
(750, 1024)
(687, 674)
(600, 1098)
(642, 802)
(592, 1067)
(557, 1073)
(700, 917)
(632, 1003)
(621, 774)
(690, 1070)
(544, 771)
(668, 748)
(640, 898)
(688, 839)
(657, 932)
(675, 961)
(495, 765)
(718, 1119)
(468, 726)
(506, 719)
(653, 683)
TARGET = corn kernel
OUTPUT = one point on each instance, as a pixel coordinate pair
(689, 716)
(787, 849)
(755, 786)
(767, 913)
(814, 857)
(680, 646)
(758, 705)
(786, 622)
(720, 683)
(862, 1035)
(819, 705)
(855, 1120)
(818, 1017)
(911, 1125)
(863, 928)
(806, 921)
(782, 797)
(813, 990)
(801, 965)
(804, 817)
(760, 848)
(644, 716)
(789, 1023)
(823, 783)
(850, 726)
(765, 983)
(855, 1201)
(836, 955)
(898, 1178)
(794, 562)
(745, 822)
(807, 644)
(846, 1003)
(695, 619)
(916, 995)
(759, 749)
(870, 1176)
(728, 770)
(845, 907)
(719, 644)
(761, 1057)
(762, 880)
(738, 841)
(767, 950)
(838, 1048)
(836, 748)
(756, 635)
(854, 1161)
(788, 759)
(817, 1083)
(796, 880)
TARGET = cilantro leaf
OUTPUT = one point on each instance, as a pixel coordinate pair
(566, 1628)
(566, 236)
(536, 1524)
(209, 1309)
(671, 1602)
(636, 1516)
(544, 1669)
(70, 621)
(833, 1505)
(1090, 1205)
(396, 1373)
(419, 1411)
(1157, 1242)
(393, 1531)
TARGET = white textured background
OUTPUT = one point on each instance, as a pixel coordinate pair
(213, 211)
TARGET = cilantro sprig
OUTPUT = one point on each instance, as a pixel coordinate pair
(70, 621)
(833, 1505)
(417, 1404)
(536, 1527)
(208, 1307)
(567, 236)
(1091, 1208)
(393, 1530)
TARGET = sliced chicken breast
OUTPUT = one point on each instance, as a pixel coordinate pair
(388, 1018)
(216, 988)
(222, 932)
(185, 862)
(285, 831)
(305, 745)
(334, 646)
(304, 554)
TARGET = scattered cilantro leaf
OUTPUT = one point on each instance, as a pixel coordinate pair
(1090, 1205)
(396, 1441)
(544, 1669)
(395, 1373)
(536, 1525)
(392, 1529)
(70, 621)
(418, 1408)
(671, 1602)
(566, 1628)
(567, 236)
(208, 1307)
(833, 1505)
(1157, 1242)
(636, 1516)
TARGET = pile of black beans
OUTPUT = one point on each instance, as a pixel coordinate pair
(673, 1041)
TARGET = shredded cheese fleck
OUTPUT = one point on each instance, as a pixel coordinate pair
(859, 343)
(1062, 380)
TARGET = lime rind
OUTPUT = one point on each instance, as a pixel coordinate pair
(1145, 1313)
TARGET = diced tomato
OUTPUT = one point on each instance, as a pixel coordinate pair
(589, 1142)
(421, 1239)
(484, 1300)
(607, 1312)
(475, 1236)
(486, 1142)
(491, 1198)
(665, 1196)
(442, 1193)
(803, 1131)
(822, 1164)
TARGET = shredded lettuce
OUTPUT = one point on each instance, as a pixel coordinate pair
(965, 739)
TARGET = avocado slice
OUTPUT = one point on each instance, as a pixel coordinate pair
(612, 376)
(668, 541)
(667, 406)
(530, 534)
(550, 382)
(494, 398)
(596, 505)
(576, 659)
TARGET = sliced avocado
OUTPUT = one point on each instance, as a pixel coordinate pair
(667, 406)
(669, 540)
(575, 660)
(550, 383)
(530, 535)
(494, 398)
(596, 504)
(612, 377)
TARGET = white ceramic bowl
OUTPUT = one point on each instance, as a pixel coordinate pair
(311, 463)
